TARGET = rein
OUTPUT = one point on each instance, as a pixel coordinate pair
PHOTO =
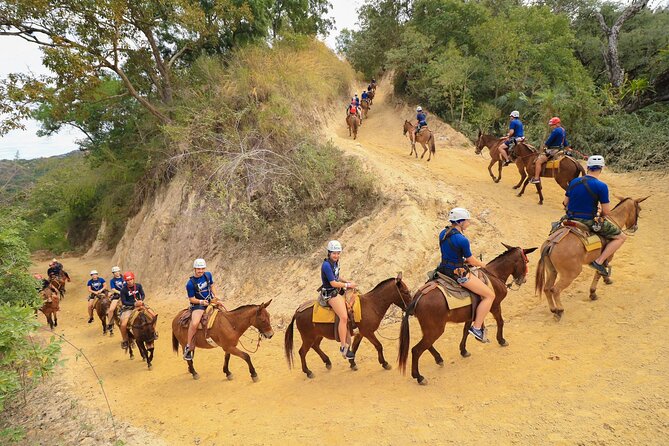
(624, 230)
(527, 261)
(257, 345)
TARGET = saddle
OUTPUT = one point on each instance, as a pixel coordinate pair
(590, 240)
(326, 315)
(135, 314)
(456, 296)
(552, 166)
(208, 317)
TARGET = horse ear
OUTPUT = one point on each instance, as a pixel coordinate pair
(399, 277)
(507, 246)
(529, 250)
(266, 304)
(639, 200)
(479, 133)
(618, 197)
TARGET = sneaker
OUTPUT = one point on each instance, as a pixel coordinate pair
(535, 180)
(124, 345)
(507, 162)
(90, 321)
(599, 268)
(347, 353)
(188, 354)
(477, 333)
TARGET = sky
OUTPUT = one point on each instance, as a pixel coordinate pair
(19, 56)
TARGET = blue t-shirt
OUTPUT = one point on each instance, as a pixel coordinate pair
(130, 295)
(557, 138)
(96, 285)
(422, 118)
(365, 95)
(329, 272)
(357, 101)
(517, 127)
(453, 258)
(203, 286)
(116, 283)
(581, 203)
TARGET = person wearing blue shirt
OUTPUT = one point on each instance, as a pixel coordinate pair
(456, 254)
(96, 285)
(421, 117)
(556, 142)
(365, 98)
(582, 198)
(200, 290)
(132, 297)
(331, 285)
(515, 135)
(116, 284)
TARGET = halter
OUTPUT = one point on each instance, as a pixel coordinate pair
(397, 288)
(527, 261)
(635, 226)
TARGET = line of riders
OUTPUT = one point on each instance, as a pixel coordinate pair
(586, 201)
(354, 108)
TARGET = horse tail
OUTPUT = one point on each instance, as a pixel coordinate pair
(540, 278)
(405, 337)
(405, 128)
(175, 344)
(581, 170)
(433, 147)
(288, 343)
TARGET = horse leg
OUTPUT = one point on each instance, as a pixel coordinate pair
(523, 175)
(245, 356)
(149, 357)
(566, 278)
(492, 163)
(496, 311)
(103, 320)
(437, 356)
(226, 366)
(593, 286)
(551, 276)
(418, 349)
(424, 150)
(317, 348)
(354, 346)
(525, 183)
(191, 369)
(379, 349)
(541, 196)
(463, 342)
(304, 349)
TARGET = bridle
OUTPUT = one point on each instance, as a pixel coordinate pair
(527, 269)
(632, 229)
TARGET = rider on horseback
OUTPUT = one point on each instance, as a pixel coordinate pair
(515, 135)
(116, 284)
(354, 109)
(132, 297)
(421, 117)
(582, 197)
(95, 287)
(44, 284)
(456, 256)
(365, 98)
(556, 142)
(200, 289)
(331, 288)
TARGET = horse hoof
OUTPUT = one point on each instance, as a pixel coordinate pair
(515, 187)
(149, 366)
(519, 195)
(354, 367)
(496, 181)
(440, 363)
(465, 354)
(422, 381)
(229, 376)
(503, 343)
(593, 296)
(328, 365)
(310, 374)
(255, 378)
(541, 203)
(196, 376)
(387, 366)
(557, 315)
(607, 280)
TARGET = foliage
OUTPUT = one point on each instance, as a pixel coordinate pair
(16, 286)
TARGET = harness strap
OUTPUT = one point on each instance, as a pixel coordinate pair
(584, 182)
(447, 238)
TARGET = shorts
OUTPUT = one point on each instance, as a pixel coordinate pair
(197, 307)
(92, 296)
(115, 296)
(608, 231)
(451, 273)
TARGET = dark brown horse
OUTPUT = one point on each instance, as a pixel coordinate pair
(526, 156)
(492, 143)
(373, 305)
(51, 306)
(559, 266)
(364, 104)
(101, 308)
(228, 327)
(371, 94)
(353, 122)
(58, 282)
(432, 311)
(143, 333)
(425, 137)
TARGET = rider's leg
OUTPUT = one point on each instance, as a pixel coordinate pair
(124, 325)
(475, 285)
(90, 309)
(503, 153)
(339, 306)
(196, 316)
(541, 159)
(611, 247)
(110, 313)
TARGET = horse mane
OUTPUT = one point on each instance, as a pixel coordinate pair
(382, 284)
(622, 201)
(501, 255)
(243, 307)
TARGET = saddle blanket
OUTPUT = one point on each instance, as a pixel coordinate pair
(208, 318)
(591, 242)
(326, 315)
(456, 295)
(135, 314)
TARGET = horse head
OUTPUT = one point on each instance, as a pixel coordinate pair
(407, 126)
(405, 296)
(480, 144)
(520, 262)
(630, 210)
(261, 320)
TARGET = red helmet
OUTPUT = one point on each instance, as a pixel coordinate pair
(128, 276)
(554, 121)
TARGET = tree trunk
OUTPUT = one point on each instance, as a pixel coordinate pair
(610, 52)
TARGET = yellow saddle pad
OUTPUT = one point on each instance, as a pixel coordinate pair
(553, 164)
(592, 243)
(212, 312)
(326, 315)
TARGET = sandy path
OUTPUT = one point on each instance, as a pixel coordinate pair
(597, 377)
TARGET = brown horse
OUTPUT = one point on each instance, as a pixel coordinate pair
(143, 333)
(371, 95)
(526, 156)
(364, 104)
(373, 305)
(228, 327)
(51, 306)
(58, 282)
(559, 266)
(492, 143)
(353, 123)
(425, 136)
(433, 311)
(101, 308)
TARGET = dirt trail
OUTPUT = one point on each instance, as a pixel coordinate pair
(597, 377)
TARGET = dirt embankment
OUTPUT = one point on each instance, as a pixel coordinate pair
(597, 377)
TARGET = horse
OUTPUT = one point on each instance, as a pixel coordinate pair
(353, 122)
(371, 95)
(425, 136)
(364, 104)
(374, 306)
(526, 157)
(433, 311)
(101, 308)
(143, 333)
(51, 306)
(558, 267)
(492, 143)
(228, 327)
(58, 281)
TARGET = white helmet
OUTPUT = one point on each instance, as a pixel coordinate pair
(596, 161)
(459, 214)
(515, 114)
(334, 246)
(93, 271)
(199, 263)
(116, 269)
(419, 109)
